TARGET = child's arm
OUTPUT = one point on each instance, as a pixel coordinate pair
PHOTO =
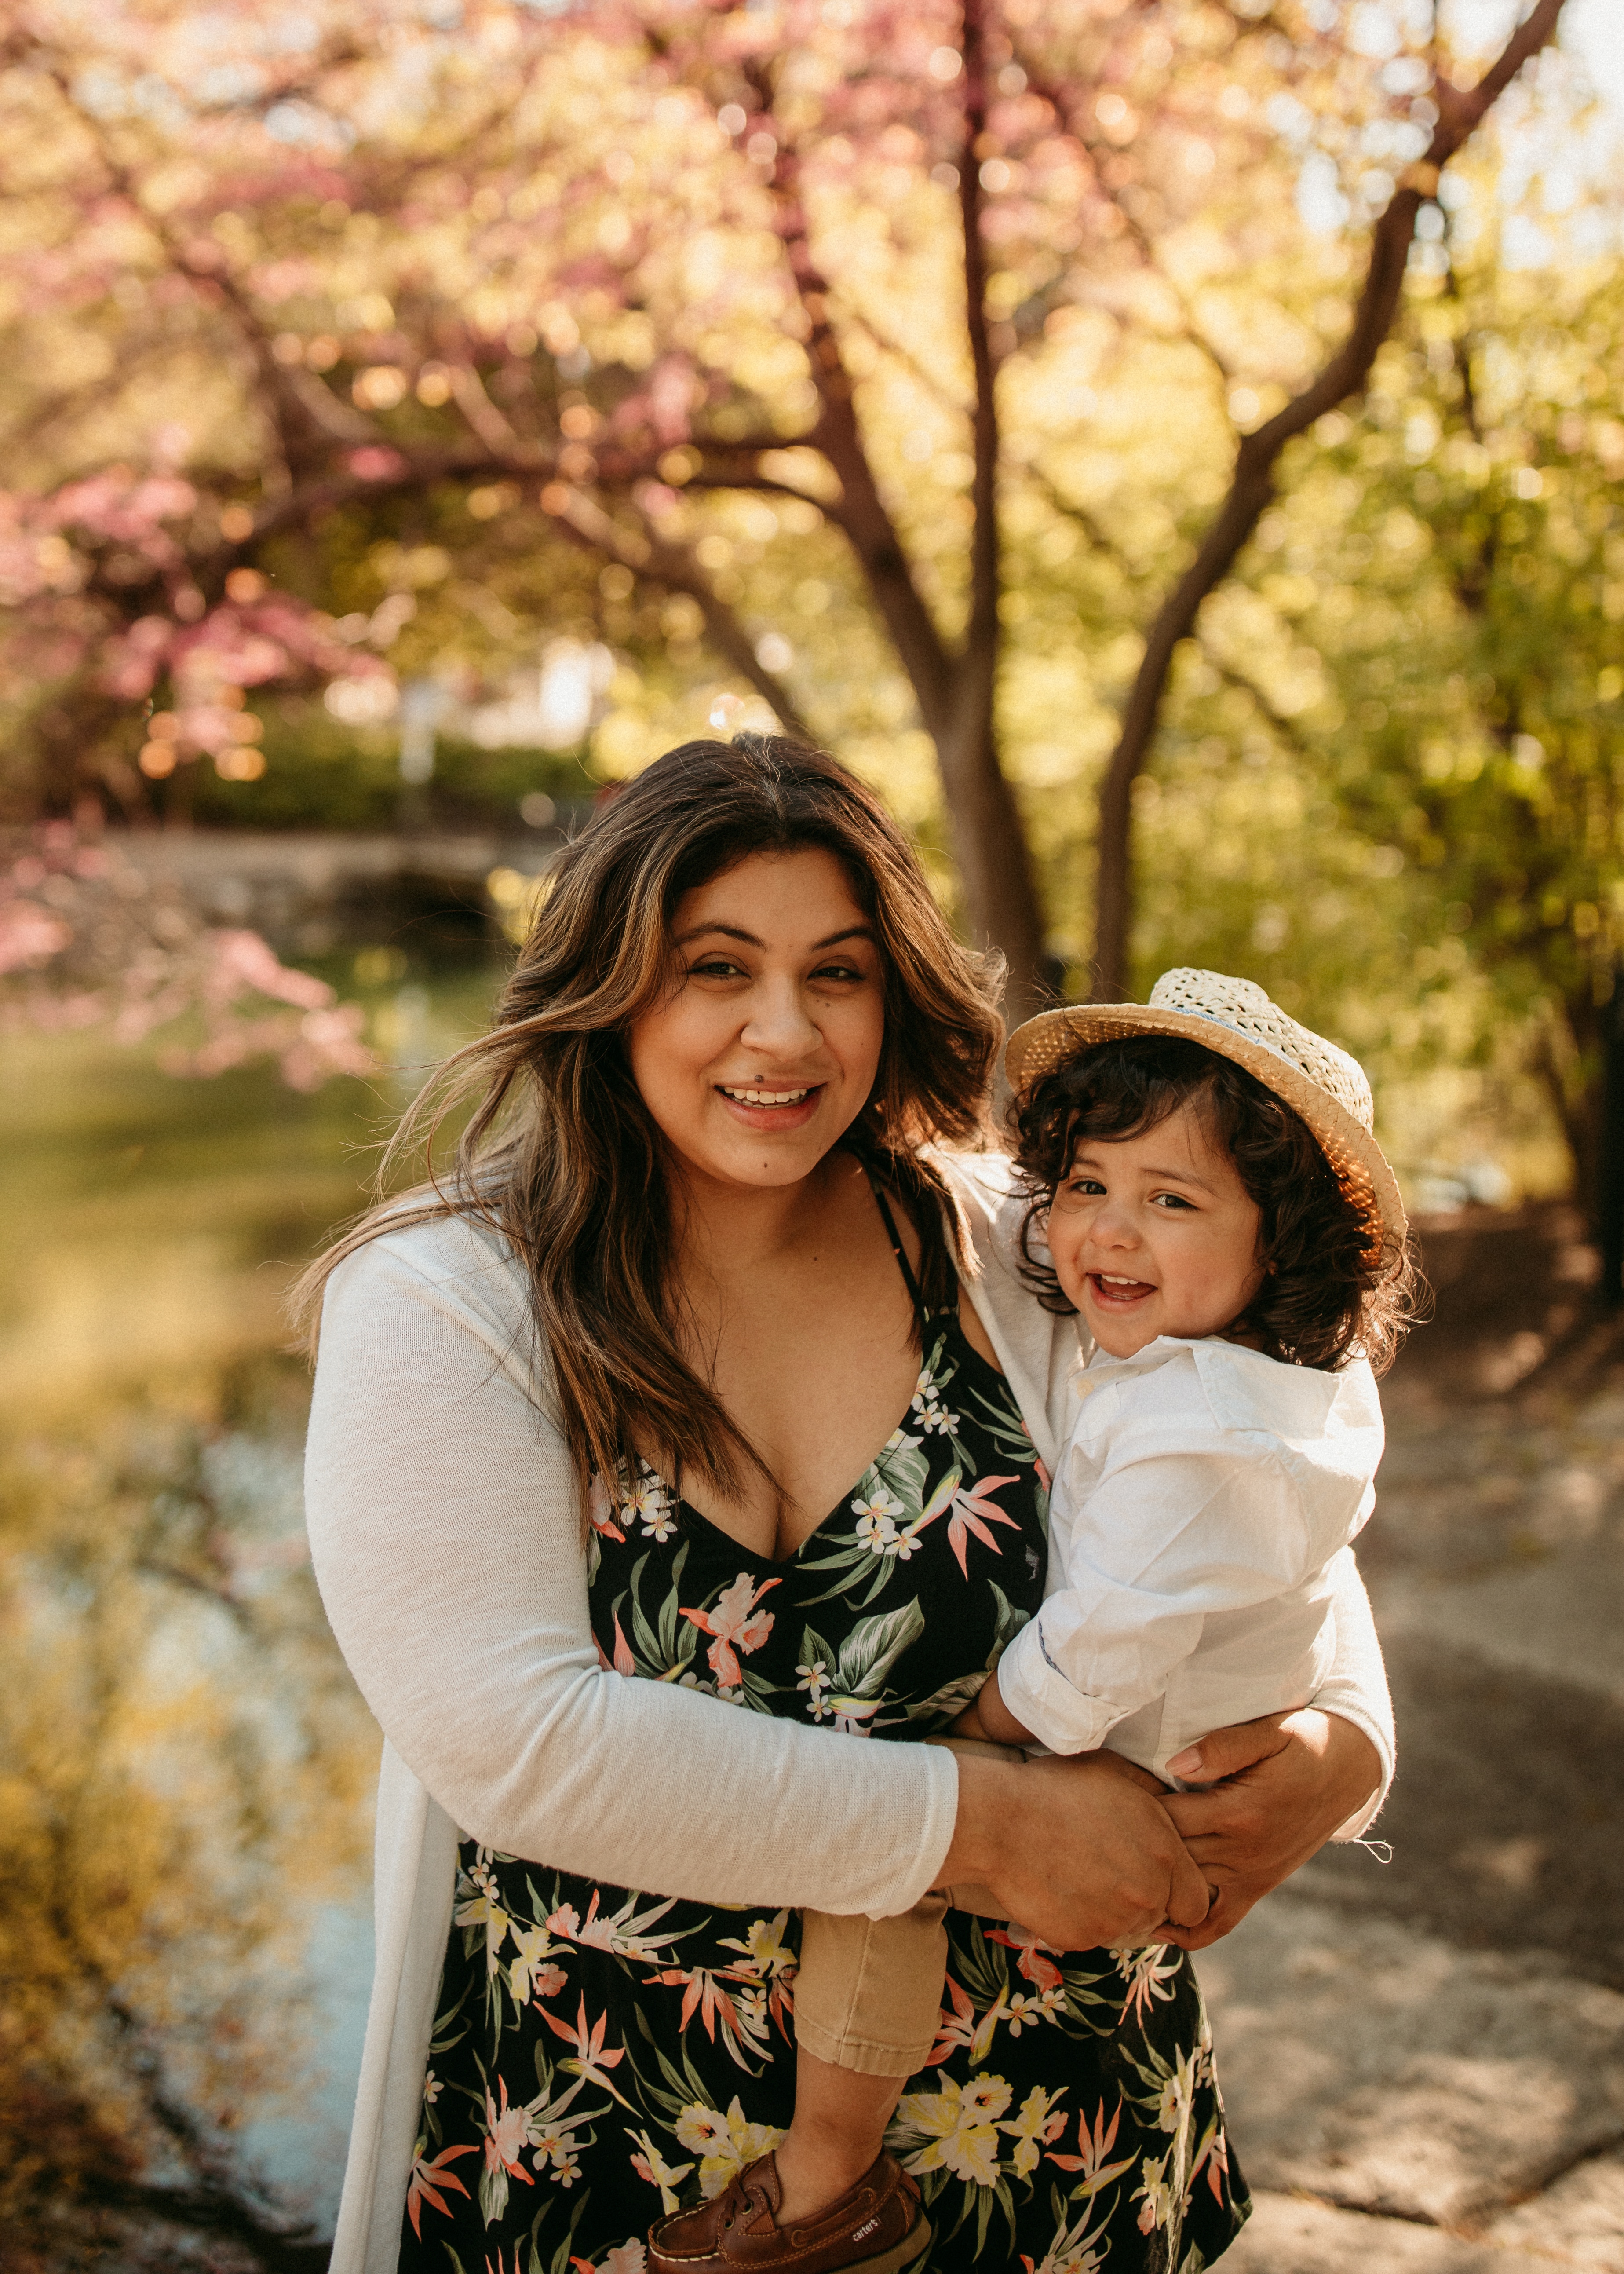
(988, 1720)
(1168, 1537)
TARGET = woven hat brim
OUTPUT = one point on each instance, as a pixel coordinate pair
(1356, 1161)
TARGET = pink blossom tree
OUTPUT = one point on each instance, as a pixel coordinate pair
(568, 286)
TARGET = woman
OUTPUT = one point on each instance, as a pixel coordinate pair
(629, 1551)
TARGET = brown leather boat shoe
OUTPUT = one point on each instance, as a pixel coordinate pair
(878, 2228)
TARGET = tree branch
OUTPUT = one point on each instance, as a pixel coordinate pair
(937, 389)
(1097, 534)
(737, 466)
(1187, 329)
(297, 422)
(981, 634)
(654, 559)
(954, 690)
(1253, 483)
(1287, 729)
(862, 512)
(476, 407)
(1475, 575)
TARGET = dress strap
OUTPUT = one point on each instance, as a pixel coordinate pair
(901, 1254)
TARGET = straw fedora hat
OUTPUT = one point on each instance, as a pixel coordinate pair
(1235, 1018)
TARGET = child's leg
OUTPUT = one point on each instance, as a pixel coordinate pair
(867, 2001)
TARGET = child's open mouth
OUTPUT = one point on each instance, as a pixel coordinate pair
(1118, 1294)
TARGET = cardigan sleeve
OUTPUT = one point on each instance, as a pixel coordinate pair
(446, 1532)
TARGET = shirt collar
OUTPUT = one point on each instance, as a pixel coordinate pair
(1099, 1366)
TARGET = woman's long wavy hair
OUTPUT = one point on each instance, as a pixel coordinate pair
(1329, 1294)
(560, 1156)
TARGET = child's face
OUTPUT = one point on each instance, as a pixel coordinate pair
(1155, 1235)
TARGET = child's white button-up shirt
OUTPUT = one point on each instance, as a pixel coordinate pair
(1196, 1510)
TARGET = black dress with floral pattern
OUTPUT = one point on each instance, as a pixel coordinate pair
(600, 2056)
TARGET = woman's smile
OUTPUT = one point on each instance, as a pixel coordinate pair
(764, 1108)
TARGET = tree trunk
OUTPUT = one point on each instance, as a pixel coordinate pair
(989, 844)
(989, 841)
(1575, 1047)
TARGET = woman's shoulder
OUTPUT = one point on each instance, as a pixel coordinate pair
(444, 1247)
(457, 1265)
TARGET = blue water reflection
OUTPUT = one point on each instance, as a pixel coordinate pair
(186, 1807)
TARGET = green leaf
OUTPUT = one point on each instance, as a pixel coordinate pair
(873, 1648)
(644, 1639)
(904, 1474)
(814, 1648)
(756, 1693)
(948, 1703)
(668, 1620)
(1010, 1622)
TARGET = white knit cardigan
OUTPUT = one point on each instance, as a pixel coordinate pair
(444, 1523)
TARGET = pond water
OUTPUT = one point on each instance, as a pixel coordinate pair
(185, 1795)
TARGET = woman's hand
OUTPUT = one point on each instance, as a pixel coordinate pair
(1281, 1786)
(1080, 1851)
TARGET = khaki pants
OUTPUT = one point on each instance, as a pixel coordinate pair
(869, 1993)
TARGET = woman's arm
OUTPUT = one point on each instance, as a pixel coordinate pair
(444, 1527)
(1281, 1786)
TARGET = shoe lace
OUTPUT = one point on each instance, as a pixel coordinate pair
(745, 2197)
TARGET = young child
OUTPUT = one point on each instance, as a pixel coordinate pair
(1217, 1212)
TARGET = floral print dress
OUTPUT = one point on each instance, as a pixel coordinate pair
(601, 2055)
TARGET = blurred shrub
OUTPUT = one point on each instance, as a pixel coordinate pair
(322, 774)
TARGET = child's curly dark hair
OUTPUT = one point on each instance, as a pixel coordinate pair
(1336, 1288)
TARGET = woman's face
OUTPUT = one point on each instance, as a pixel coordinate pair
(765, 1051)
